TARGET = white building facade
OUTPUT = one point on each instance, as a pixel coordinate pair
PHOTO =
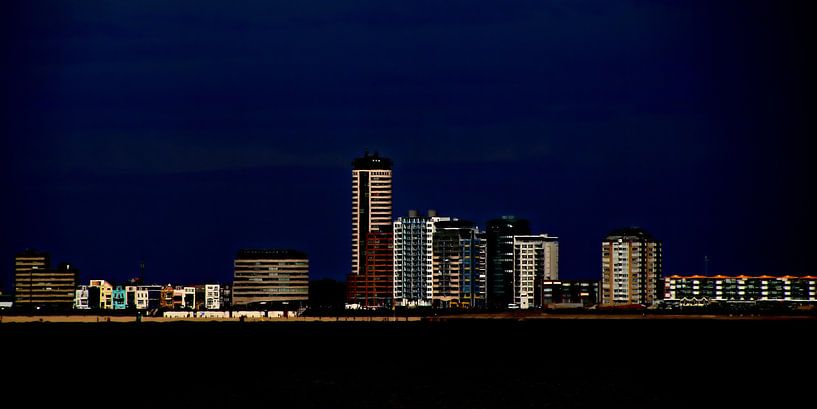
(212, 296)
(535, 258)
(413, 259)
(81, 298)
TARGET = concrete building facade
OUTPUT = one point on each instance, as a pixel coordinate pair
(271, 278)
(36, 284)
(631, 262)
(535, 259)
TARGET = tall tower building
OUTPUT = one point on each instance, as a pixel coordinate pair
(413, 258)
(631, 267)
(272, 278)
(535, 259)
(371, 210)
(458, 277)
(500, 233)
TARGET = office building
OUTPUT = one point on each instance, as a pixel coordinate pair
(271, 278)
(458, 265)
(631, 262)
(27, 265)
(535, 259)
(36, 285)
(413, 259)
(499, 234)
(570, 293)
(698, 290)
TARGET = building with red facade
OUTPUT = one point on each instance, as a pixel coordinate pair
(373, 287)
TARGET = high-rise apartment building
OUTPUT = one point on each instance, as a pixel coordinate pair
(458, 270)
(413, 258)
(499, 234)
(374, 286)
(371, 202)
(631, 263)
(272, 278)
(535, 259)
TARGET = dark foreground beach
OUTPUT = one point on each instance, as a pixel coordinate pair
(501, 363)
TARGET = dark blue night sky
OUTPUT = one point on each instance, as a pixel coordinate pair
(178, 132)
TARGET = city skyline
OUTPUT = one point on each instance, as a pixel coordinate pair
(179, 135)
(227, 276)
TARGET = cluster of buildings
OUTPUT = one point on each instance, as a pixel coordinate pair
(421, 261)
(432, 260)
(38, 285)
(262, 279)
(438, 261)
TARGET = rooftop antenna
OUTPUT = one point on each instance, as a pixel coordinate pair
(142, 270)
(706, 265)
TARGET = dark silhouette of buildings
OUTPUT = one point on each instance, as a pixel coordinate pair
(500, 233)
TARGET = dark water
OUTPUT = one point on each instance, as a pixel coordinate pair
(468, 364)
